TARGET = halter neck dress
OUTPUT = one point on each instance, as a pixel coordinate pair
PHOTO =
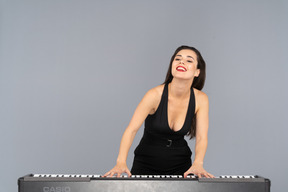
(161, 150)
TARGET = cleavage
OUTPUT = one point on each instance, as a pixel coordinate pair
(176, 113)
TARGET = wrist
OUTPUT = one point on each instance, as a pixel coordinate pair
(120, 161)
(198, 163)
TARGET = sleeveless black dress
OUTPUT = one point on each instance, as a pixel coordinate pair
(161, 150)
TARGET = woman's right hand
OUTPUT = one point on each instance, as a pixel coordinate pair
(119, 169)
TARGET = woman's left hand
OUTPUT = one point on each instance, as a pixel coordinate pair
(198, 170)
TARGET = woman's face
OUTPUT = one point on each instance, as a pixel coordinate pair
(184, 65)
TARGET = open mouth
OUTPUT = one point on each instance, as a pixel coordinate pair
(181, 68)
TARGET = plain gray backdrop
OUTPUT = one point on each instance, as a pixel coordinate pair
(72, 73)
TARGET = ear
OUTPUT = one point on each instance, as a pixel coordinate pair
(197, 72)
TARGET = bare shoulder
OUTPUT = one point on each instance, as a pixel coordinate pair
(155, 92)
(201, 99)
(153, 96)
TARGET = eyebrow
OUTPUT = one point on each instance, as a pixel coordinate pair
(187, 56)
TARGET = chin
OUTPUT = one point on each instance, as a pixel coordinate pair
(183, 78)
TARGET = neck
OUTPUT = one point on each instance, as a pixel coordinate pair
(180, 88)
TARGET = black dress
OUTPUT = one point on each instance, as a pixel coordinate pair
(161, 150)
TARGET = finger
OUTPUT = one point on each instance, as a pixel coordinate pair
(118, 174)
(105, 175)
(186, 174)
(211, 176)
(192, 172)
(108, 174)
(128, 173)
(111, 174)
(207, 175)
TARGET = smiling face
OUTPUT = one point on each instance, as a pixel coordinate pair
(184, 65)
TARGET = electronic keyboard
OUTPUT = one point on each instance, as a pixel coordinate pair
(141, 183)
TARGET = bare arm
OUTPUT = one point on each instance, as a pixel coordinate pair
(202, 123)
(145, 107)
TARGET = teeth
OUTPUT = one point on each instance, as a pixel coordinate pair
(181, 68)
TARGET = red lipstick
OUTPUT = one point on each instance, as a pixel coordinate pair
(181, 69)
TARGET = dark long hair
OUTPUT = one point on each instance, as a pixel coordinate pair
(198, 82)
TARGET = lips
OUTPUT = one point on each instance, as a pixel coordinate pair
(181, 68)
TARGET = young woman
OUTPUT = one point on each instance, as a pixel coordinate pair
(170, 111)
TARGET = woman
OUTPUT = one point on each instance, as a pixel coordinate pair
(170, 111)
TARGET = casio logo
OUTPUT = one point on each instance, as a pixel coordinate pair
(56, 189)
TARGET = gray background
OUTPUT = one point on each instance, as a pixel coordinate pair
(72, 73)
